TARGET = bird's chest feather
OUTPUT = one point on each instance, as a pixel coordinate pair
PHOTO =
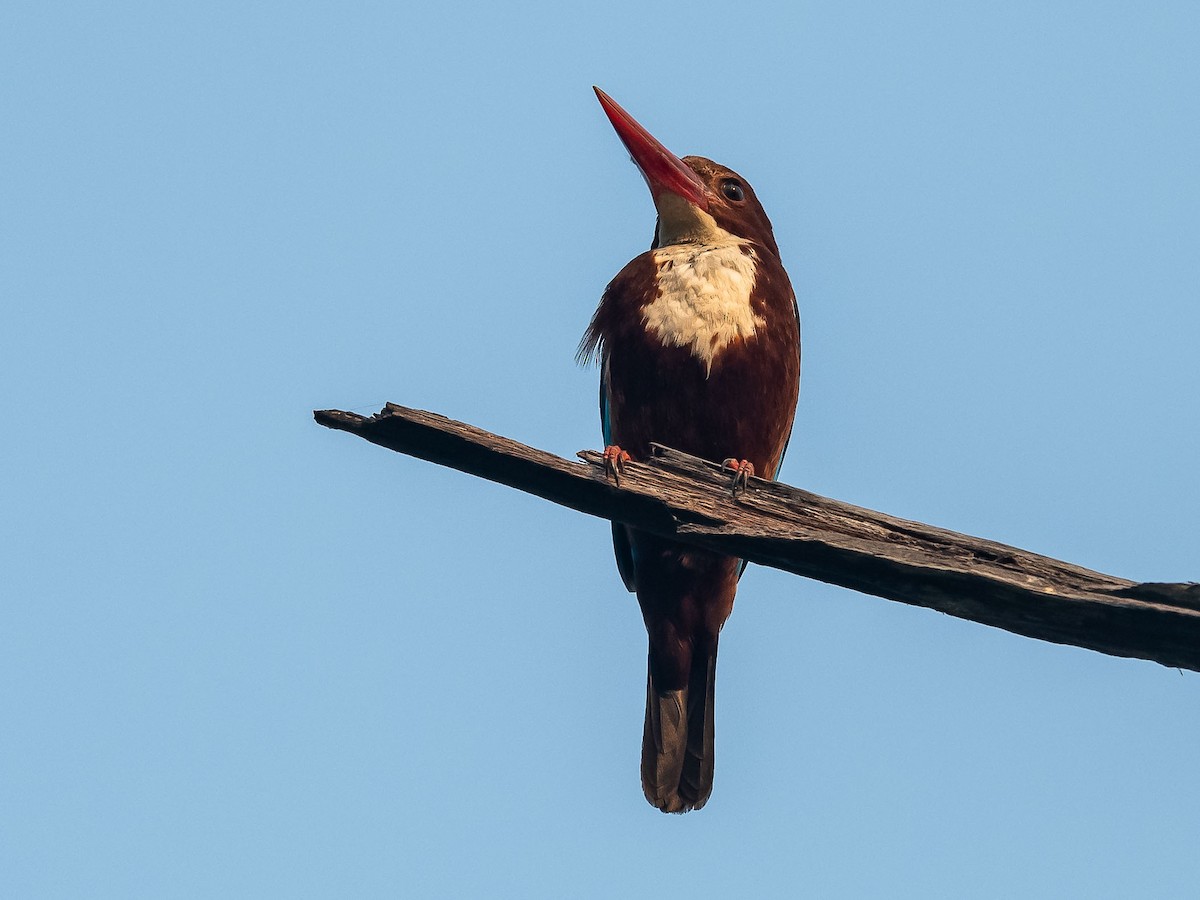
(702, 298)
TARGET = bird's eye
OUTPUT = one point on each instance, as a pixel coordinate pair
(732, 190)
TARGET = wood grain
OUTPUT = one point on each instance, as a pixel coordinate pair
(774, 524)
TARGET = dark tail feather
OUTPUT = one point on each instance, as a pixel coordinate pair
(677, 743)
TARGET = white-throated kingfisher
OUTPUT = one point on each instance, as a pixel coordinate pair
(698, 341)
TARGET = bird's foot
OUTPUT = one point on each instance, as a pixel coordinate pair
(614, 462)
(742, 470)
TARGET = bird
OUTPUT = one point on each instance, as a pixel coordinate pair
(698, 346)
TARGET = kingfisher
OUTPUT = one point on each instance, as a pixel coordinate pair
(698, 344)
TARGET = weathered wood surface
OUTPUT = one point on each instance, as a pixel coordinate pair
(776, 525)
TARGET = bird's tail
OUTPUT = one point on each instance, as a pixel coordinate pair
(677, 743)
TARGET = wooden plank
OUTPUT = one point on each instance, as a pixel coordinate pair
(774, 524)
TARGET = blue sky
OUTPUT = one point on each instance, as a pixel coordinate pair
(245, 656)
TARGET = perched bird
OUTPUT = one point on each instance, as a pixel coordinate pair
(698, 341)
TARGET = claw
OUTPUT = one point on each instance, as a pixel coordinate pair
(742, 470)
(614, 462)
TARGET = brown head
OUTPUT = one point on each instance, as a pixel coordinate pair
(697, 199)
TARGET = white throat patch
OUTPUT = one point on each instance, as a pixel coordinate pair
(703, 298)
